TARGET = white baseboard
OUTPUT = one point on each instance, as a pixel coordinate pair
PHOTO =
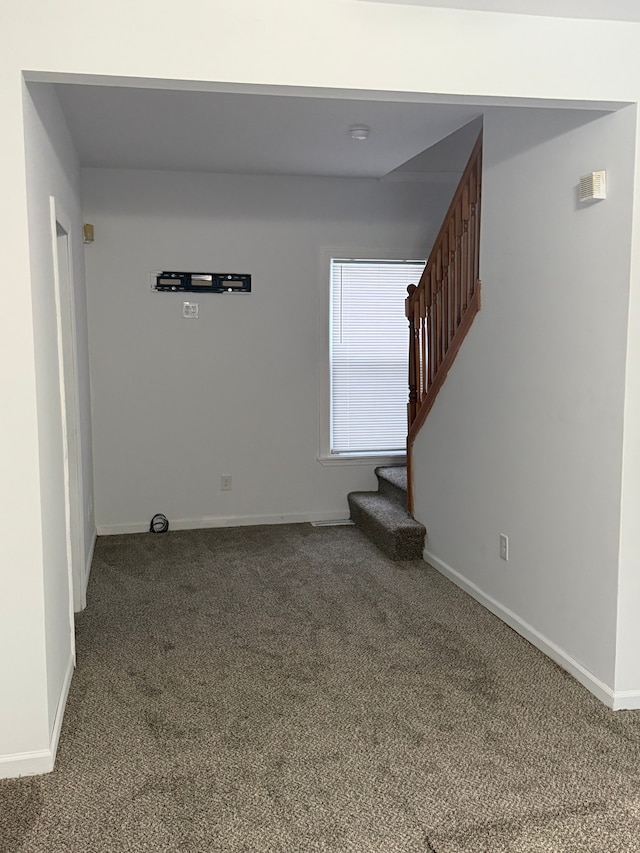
(221, 521)
(599, 689)
(60, 708)
(87, 568)
(626, 700)
(42, 760)
(26, 764)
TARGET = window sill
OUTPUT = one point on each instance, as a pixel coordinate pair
(363, 459)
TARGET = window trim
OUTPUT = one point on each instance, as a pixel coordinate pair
(325, 457)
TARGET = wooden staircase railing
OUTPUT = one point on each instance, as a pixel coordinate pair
(441, 308)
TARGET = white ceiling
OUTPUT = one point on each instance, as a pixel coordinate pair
(141, 128)
(605, 10)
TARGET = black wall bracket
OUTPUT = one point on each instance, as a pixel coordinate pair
(200, 282)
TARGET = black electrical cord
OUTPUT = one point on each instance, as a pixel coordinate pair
(159, 523)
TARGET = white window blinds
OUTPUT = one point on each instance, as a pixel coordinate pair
(369, 354)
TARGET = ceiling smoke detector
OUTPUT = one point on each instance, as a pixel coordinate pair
(359, 132)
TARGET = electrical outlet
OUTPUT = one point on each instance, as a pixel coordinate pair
(504, 547)
(225, 483)
(190, 310)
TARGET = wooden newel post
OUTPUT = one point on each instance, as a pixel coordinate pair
(412, 407)
(413, 383)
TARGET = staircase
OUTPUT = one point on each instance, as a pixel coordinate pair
(384, 518)
(442, 307)
(440, 310)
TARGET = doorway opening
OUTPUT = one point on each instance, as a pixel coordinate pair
(69, 405)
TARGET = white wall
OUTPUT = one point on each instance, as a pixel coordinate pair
(628, 647)
(24, 735)
(525, 438)
(53, 169)
(401, 47)
(178, 403)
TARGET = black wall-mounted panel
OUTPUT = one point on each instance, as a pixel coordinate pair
(201, 282)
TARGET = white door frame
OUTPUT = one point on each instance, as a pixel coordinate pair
(69, 407)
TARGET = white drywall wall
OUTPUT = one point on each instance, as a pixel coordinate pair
(525, 438)
(402, 48)
(628, 647)
(23, 685)
(178, 403)
(53, 170)
(285, 44)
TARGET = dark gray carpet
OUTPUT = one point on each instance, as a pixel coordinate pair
(290, 689)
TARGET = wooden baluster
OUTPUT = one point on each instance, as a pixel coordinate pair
(476, 269)
(429, 334)
(472, 229)
(445, 298)
(436, 320)
(423, 345)
(431, 329)
(453, 272)
(458, 250)
(465, 244)
(445, 291)
(416, 345)
(412, 406)
(451, 284)
(437, 308)
(441, 313)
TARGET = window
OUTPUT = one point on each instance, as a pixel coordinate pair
(368, 355)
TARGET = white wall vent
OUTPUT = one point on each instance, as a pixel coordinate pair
(593, 185)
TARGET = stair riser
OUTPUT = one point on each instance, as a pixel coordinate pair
(393, 492)
(396, 544)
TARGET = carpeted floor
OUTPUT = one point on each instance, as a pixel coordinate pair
(290, 689)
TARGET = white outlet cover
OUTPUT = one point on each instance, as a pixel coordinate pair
(504, 547)
(190, 310)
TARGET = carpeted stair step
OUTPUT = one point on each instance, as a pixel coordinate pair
(392, 482)
(388, 525)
